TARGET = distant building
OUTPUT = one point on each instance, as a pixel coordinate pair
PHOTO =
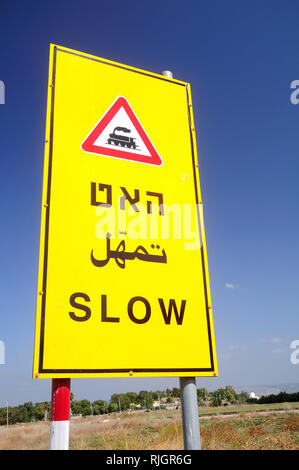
(253, 395)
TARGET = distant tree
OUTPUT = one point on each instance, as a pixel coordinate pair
(216, 401)
(169, 400)
(142, 396)
(21, 414)
(114, 398)
(100, 407)
(149, 401)
(132, 397)
(230, 394)
(252, 400)
(279, 398)
(202, 393)
(29, 409)
(125, 402)
(221, 393)
(2, 416)
(81, 407)
(217, 397)
(41, 410)
(122, 401)
(112, 407)
(242, 397)
(175, 392)
(85, 407)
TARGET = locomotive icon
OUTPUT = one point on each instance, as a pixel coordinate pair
(120, 139)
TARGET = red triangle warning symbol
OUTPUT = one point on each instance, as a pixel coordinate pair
(119, 134)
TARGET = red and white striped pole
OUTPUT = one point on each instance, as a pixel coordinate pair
(60, 414)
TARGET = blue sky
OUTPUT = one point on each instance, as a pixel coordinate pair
(240, 58)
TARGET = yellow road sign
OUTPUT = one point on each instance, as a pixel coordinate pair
(123, 286)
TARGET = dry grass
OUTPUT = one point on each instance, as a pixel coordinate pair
(31, 436)
(162, 430)
(143, 431)
(272, 431)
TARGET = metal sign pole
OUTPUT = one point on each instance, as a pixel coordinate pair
(60, 414)
(190, 417)
(188, 391)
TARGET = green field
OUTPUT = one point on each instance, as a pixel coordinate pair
(246, 408)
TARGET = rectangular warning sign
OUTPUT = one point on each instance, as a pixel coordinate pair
(123, 285)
